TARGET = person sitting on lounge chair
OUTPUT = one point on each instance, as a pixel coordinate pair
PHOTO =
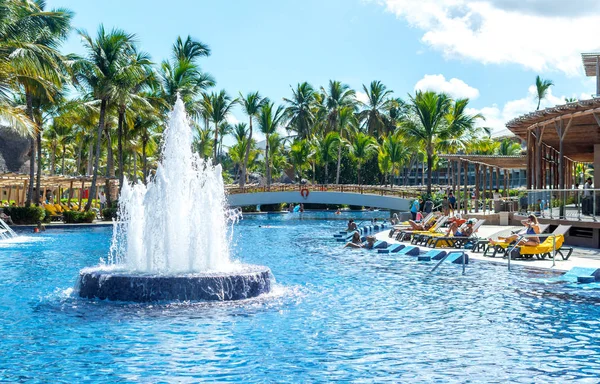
(532, 227)
(461, 231)
(355, 242)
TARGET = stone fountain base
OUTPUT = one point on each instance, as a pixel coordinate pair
(250, 282)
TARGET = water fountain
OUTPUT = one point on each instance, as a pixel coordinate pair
(5, 231)
(171, 239)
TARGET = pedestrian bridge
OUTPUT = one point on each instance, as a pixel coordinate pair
(367, 196)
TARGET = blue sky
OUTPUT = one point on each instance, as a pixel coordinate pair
(487, 49)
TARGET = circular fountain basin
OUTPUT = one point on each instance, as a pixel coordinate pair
(248, 282)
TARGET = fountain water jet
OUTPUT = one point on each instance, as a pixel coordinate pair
(170, 241)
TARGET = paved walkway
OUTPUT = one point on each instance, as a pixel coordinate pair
(581, 257)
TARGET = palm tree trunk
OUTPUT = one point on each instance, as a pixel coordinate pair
(134, 169)
(29, 100)
(246, 157)
(215, 142)
(110, 161)
(429, 165)
(53, 160)
(267, 167)
(392, 178)
(79, 150)
(144, 161)
(90, 160)
(357, 172)
(38, 180)
(339, 162)
(120, 145)
(326, 173)
(313, 172)
(62, 168)
(92, 194)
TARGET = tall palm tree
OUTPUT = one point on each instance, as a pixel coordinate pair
(269, 119)
(384, 163)
(300, 152)
(300, 110)
(398, 150)
(29, 38)
(373, 114)
(251, 105)
(326, 149)
(336, 97)
(541, 87)
(99, 72)
(362, 148)
(428, 123)
(224, 129)
(509, 147)
(221, 105)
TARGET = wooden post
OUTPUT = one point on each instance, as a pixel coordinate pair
(70, 193)
(539, 132)
(25, 185)
(477, 180)
(81, 194)
(506, 183)
(466, 192)
(483, 174)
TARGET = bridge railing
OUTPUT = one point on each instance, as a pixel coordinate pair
(344, 188)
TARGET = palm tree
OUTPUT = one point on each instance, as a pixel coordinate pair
(398, 150)
(373, 116)
(326, 150)
(224, 129)
(384, 163)
(129, 96)
(362, 148)
(100, 72)
(300, 152)
(277, 158)
(509, 147)
(541, 88)
(436, 118)
(220, 105)
(182, 75)
(29, 58)
(251, 105)
(203, 143)
(299, 111)
(336, 97)
(269, 119)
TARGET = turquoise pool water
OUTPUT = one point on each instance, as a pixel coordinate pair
(336, 315)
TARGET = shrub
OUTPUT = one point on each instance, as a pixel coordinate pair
(109, 213)
(79, 217)
(25, 215)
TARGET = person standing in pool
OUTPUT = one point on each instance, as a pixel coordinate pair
(351, 225)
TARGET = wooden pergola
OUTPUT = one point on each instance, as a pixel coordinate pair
(13, 186)
(559, 138)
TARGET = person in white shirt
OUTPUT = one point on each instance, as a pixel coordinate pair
(586, 206)
(102, 200)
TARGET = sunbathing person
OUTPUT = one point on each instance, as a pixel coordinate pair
(461, 231)
(356, 242)
(532, 227)
(419, 226)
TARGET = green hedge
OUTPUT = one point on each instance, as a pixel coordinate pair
(26, 215)
(79, 217)
(109, 213)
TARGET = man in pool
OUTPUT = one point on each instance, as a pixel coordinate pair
(351, 225)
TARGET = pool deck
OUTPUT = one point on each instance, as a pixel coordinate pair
(581, 257)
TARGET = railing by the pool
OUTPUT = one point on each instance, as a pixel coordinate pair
(344, 188)
(562, 204)
(539, 235)
(463, 257)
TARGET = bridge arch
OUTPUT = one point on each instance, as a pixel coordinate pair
(320, 197)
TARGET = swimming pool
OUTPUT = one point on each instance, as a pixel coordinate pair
(336, 315)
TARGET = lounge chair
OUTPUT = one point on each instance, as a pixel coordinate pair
(406, 227)
(454, 241)
(409, 234)
(500, 247)
(421, 237)
(555, 241)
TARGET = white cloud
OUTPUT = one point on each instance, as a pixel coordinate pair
(496, 117)
(362, 97)
(231, 119)
(453, 87)
(539, 35)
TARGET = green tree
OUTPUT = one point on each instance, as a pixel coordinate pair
(300, 152)
(373, 115)
(541, 88)
(99, 72)
(326, 151)
(269, 119)
(221, 105)
(300, 110)
(362, 148)
(336, 97)
(251, 105)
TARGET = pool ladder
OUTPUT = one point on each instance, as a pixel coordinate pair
(464, 265)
